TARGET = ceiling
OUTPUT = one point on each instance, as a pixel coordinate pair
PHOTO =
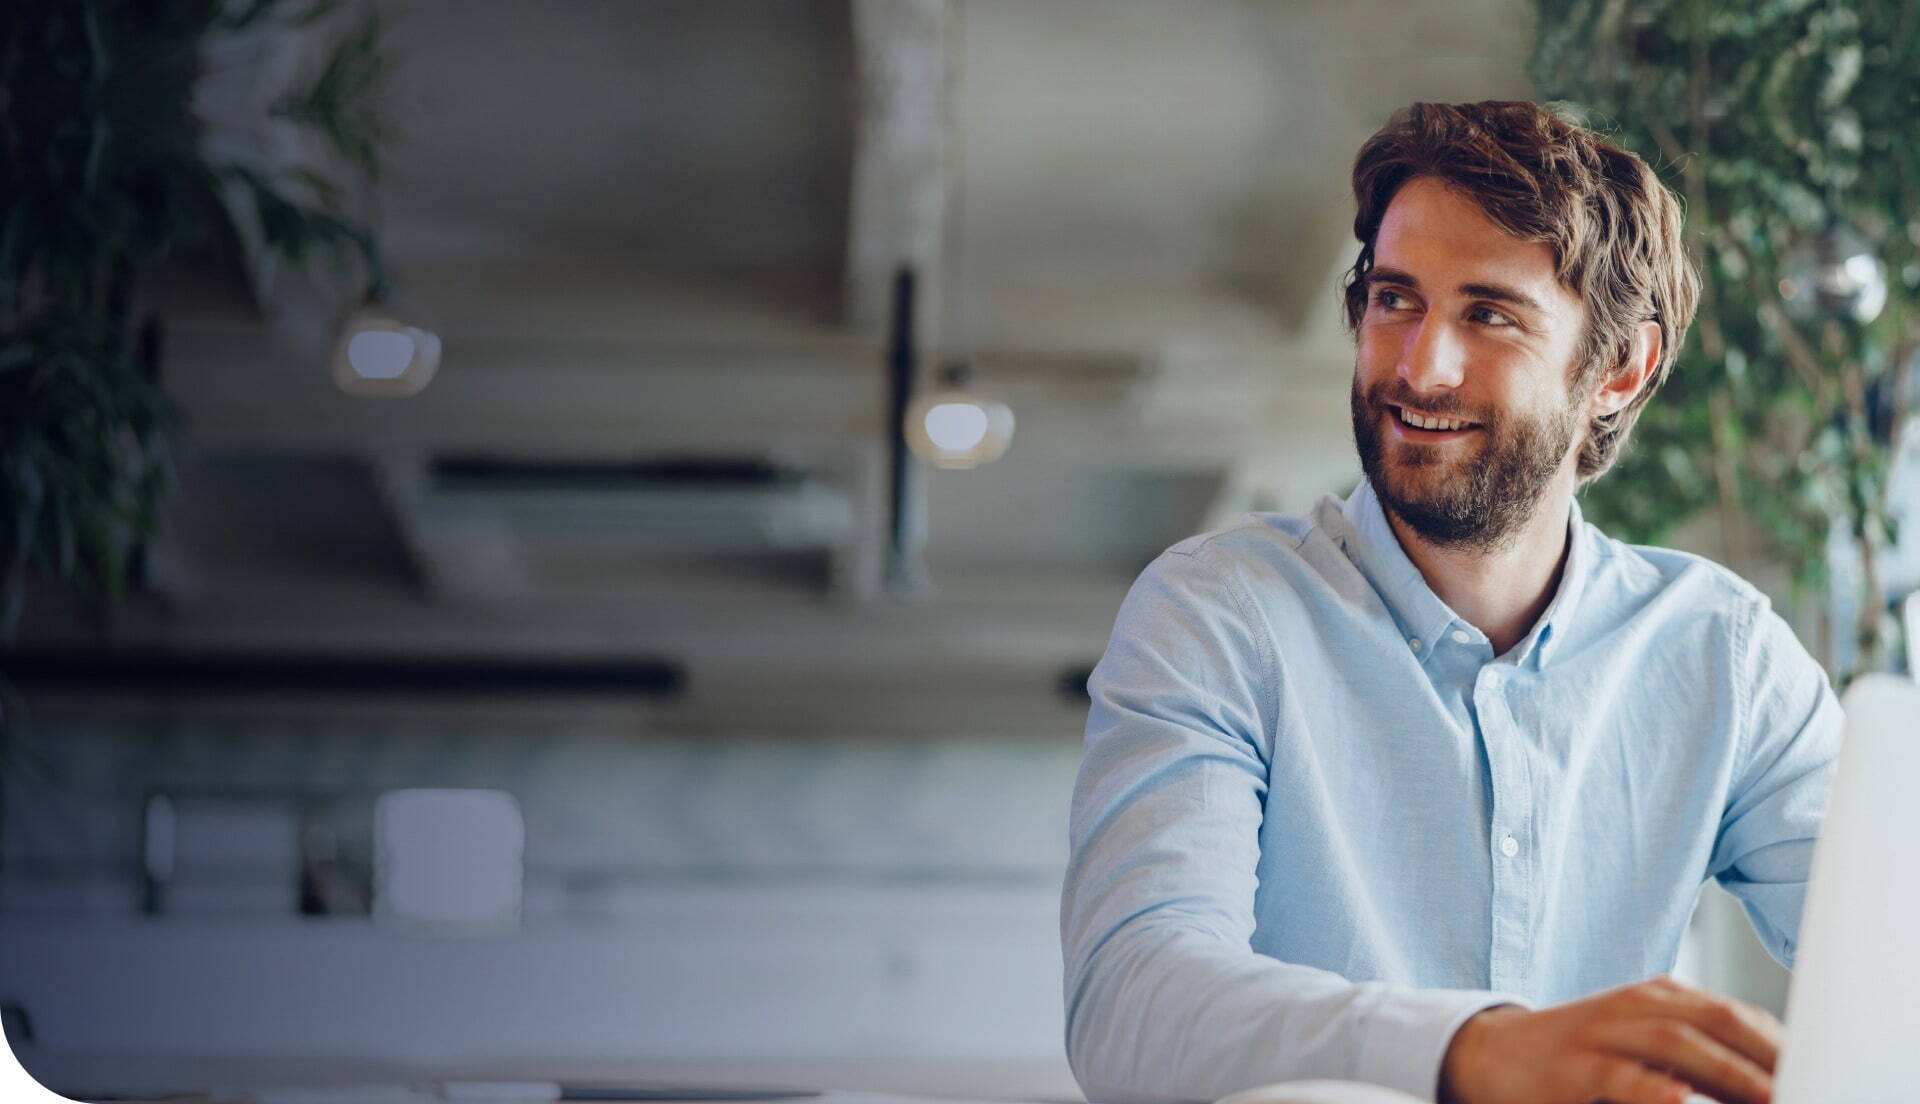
(663, 230)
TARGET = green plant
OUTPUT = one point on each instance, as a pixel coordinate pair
(1787, 126)
(104, 174)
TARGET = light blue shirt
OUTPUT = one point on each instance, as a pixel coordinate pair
(1319, 823)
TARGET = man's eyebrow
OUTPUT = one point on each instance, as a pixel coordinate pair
(1499, 293)
(1390, 276)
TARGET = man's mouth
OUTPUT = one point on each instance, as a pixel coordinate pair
(1417, 425)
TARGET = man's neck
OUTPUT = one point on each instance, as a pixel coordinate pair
(1500, 591)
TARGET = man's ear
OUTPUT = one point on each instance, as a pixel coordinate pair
(1618, 388)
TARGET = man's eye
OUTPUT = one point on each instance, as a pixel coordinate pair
(1489, 316)
(1389, 299)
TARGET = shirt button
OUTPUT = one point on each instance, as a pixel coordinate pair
(1460, 637)
(1414, 643)
(1509, 847)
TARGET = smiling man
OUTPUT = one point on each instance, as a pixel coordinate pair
(1420, 789)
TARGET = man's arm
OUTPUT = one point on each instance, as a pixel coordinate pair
(1781, 783)
(1166, 1000)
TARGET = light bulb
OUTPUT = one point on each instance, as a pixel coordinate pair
(377, 353)
(956, 426)
(957, 429)
(380, 354)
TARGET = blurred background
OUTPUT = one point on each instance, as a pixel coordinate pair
(568, 540)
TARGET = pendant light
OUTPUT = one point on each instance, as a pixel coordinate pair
(954, 427)
(380, 353)
(382, 348)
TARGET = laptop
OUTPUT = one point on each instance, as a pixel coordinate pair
(1853, 1007)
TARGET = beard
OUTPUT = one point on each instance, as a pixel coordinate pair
(1453, 497)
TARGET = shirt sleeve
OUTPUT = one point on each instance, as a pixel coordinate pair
(1165, 998)
(1764, 850)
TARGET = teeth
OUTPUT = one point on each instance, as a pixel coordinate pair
(1421, 421)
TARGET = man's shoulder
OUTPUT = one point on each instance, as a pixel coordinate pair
(1679, 582)
(1263, 560)
(1263, 537)
(1254, 536)
(1261, 549)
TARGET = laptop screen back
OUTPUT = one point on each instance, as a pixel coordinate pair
(1853, 1011)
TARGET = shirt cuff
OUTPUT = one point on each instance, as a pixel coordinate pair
(1405, 1037)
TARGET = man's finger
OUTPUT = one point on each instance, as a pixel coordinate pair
(1629, 1082)
(1693, 1056)
(1751, 1031)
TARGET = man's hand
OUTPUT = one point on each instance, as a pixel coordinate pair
(1652, 1042)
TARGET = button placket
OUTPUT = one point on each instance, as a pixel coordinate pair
(1511, 800)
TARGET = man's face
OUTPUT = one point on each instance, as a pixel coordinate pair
(1468, 333)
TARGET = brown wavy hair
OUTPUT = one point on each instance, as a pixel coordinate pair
(1613, 226)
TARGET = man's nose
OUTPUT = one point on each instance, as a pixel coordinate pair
(1433, 358)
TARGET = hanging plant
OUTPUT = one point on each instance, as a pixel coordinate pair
(1789, 130)
(134, 135)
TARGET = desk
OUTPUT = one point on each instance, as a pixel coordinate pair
(865, 1081)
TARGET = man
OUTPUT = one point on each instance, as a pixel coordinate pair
(1391, 791)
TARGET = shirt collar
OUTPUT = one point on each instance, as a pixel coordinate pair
(1555, 620)
(1420, 613)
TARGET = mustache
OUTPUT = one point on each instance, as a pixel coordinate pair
(1396, 393)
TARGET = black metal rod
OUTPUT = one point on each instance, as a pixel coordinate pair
(900, 372)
